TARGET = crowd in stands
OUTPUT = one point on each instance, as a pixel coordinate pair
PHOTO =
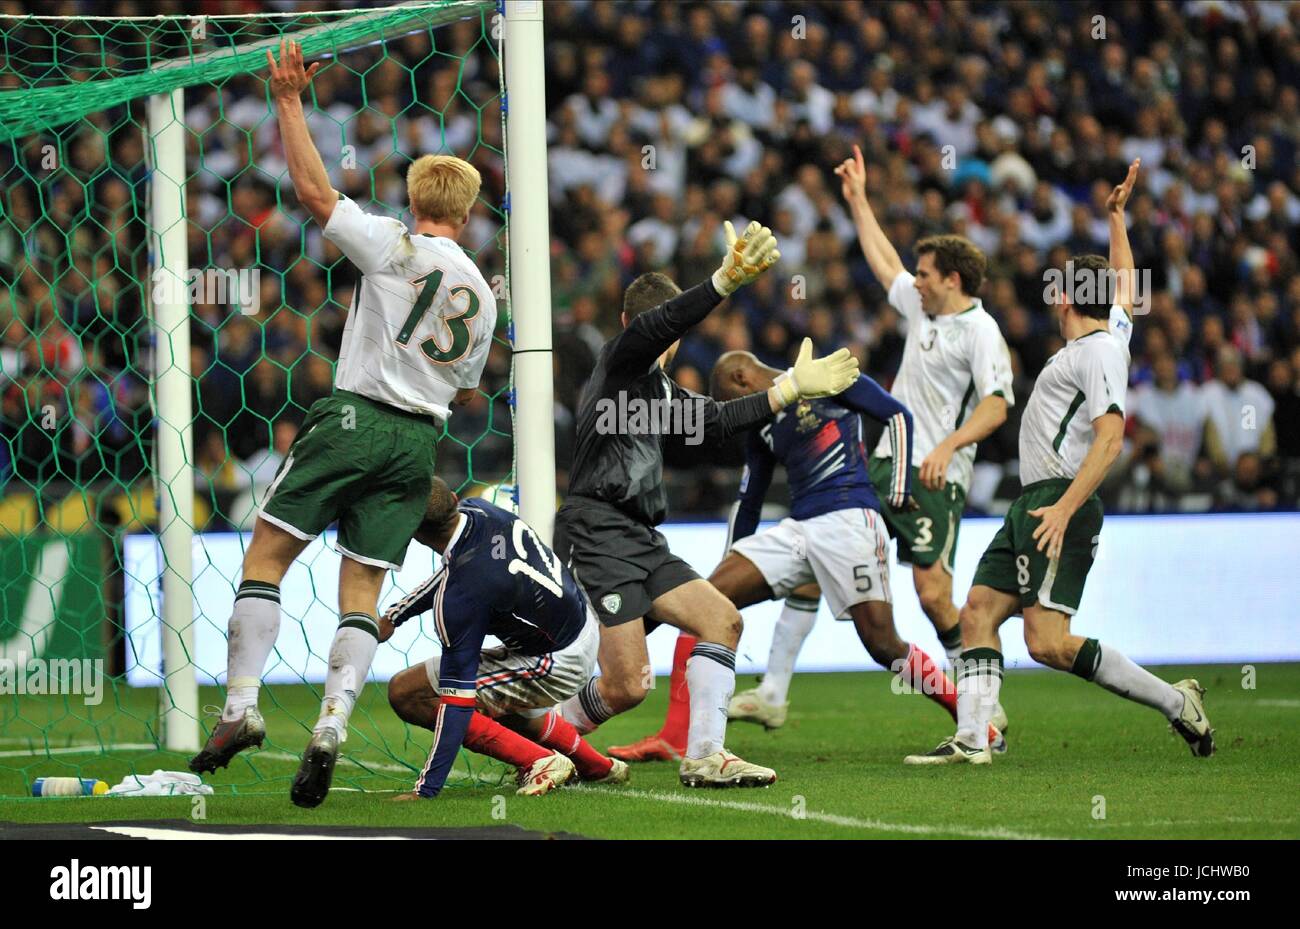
(1006, 123)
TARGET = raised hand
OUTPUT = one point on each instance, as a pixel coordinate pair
(817, 377)
(1119, 196)
(748, 256)
(289, 78)
(852, 173)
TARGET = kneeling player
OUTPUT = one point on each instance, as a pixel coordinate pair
(499, 579)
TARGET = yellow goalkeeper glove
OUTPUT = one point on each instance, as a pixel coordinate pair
(747, 257)
(816, 377)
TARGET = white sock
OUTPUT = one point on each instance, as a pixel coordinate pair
(797, 618)
(711, 677)
(251, 635)
(586, 709)
(979, 683)
(951, 642)
(350, 655)
(1120, 675)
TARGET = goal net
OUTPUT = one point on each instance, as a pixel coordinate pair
(168, 312)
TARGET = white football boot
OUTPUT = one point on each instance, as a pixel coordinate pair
(1192, 724)
(544, 775)
(620, 773)
(723, 769)
(951, 751)
(751, 707)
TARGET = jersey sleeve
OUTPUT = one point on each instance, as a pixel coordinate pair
(1105, 380)
(1121, 325)
(866, 396)
(461, 620)
(367, 241)
(991, 363)
(904, 297)
(416, 602)
(760, 464)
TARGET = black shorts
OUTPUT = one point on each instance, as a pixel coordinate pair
(623, 565)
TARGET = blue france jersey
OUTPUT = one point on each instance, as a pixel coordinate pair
(820, 444)
(498, 578)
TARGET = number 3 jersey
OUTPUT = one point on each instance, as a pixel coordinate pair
(422, 315)
(498, 578)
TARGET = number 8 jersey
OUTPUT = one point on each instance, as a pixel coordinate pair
(498, 578)
(422, 315)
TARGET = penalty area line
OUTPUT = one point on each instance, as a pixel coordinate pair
(832, 819)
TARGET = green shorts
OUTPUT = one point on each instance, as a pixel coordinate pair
(1012, 563)
(926, 535)
(363, 463)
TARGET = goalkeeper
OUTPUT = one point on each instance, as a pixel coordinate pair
(605, 529)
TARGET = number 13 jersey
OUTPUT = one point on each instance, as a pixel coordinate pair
(421, 319)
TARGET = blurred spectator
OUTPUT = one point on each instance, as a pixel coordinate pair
(1174, 413)
(1006, 123)
(1240, 415)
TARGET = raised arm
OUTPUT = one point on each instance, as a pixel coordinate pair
(310, 182)
(1121, 255)
(880, 254)
(653, 332)
(810, 377)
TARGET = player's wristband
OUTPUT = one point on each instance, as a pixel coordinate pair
(724, 285)
(787, 387)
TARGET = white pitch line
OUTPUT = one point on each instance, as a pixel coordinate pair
(87, 749)
(343, 759)
(1225, 820)
(833, 819)
(1289, 704)
(155, 832)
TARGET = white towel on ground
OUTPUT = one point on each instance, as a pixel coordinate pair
(160, 784)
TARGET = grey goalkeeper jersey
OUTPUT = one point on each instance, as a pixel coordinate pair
(630, 407)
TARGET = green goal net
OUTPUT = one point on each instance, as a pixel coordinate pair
(86, 689)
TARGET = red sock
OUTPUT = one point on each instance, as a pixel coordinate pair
(922, 674)
(561, 735)
(488, 737)
(678, 720)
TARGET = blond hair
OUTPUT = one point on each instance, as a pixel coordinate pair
(442, 188)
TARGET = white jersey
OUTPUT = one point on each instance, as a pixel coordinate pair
(1086, 379)
(950, 363)
(422, 315)
(1177, 416)
(1240, 415)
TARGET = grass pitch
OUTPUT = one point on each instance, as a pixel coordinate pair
(1082, 764)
